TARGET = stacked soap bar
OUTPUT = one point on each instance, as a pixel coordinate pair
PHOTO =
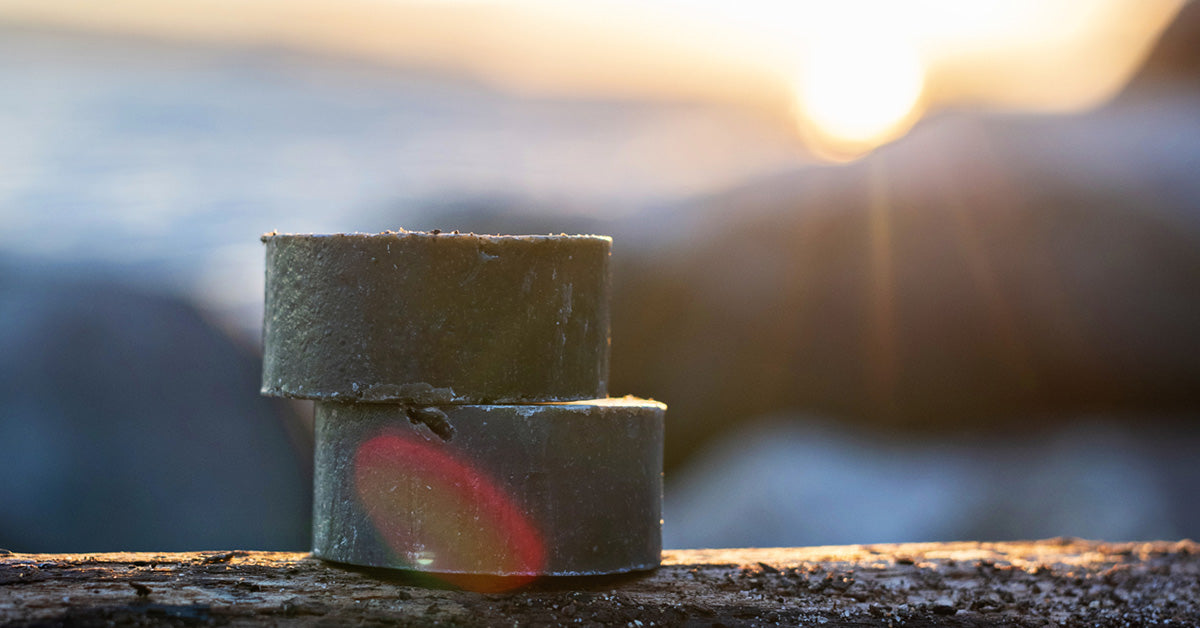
(462, 424)
(445, 318)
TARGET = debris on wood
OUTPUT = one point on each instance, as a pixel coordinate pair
(1055, 582)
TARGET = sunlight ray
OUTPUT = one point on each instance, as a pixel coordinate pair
(882, 359)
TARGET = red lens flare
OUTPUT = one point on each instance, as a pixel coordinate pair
(441, 515)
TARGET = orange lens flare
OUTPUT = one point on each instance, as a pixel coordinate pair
(441, 515)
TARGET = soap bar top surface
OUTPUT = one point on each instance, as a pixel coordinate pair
(436, 318)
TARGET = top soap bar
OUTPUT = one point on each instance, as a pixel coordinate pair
(436, 318)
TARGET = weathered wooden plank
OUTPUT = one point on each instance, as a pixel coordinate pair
(1061, 581)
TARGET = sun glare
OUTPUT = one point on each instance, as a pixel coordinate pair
(854, 93)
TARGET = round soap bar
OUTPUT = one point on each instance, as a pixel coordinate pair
(436, 318)
(511, 491)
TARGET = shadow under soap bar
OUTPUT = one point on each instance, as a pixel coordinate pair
(436, 318)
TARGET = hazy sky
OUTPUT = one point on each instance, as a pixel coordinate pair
(846, 75)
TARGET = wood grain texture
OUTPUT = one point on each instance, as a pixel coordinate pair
(1053, 582)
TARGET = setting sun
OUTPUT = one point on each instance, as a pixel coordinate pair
(854, 93)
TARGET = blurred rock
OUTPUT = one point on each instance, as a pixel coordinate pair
(1175, 59)
(129, 422)
(978, 274)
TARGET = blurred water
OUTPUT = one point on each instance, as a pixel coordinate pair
(794, 480)
(166, 161)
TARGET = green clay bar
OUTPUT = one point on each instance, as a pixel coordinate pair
(436, 318)
(507, 491)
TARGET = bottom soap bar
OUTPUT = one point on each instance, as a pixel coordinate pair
(562, 489)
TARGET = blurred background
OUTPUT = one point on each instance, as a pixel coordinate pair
(903, 271)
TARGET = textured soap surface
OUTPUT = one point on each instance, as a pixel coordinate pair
(436, 318)
(518, 490)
